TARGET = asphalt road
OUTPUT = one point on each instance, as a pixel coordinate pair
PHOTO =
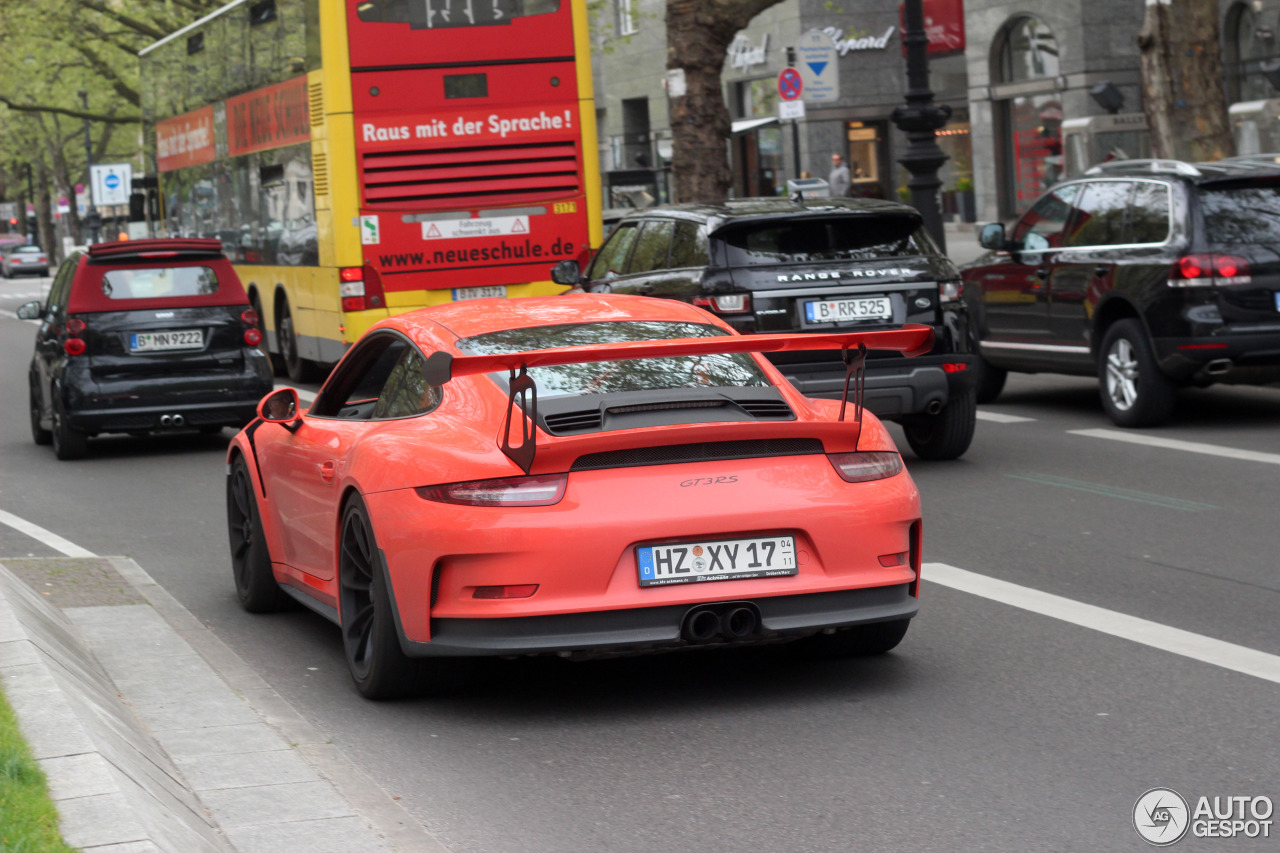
(992, 727)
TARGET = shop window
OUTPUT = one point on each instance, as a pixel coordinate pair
(865, 159)
(1030, 52)
(1030, 123)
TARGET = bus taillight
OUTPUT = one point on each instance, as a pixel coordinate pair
(361, 288)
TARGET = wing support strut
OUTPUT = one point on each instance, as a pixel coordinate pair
(855, 373)
(523, 387)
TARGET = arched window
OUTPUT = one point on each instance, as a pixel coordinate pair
(1248, 43)
(1028, 52)
(1028, 109)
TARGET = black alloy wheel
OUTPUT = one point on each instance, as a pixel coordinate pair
(858, 641)
(68, 442)
(946, 435)
(1134, 391)
(256, 586)
(39, 434)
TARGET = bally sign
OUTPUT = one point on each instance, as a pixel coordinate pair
(471, 125)
(269, 117)
(186, 140)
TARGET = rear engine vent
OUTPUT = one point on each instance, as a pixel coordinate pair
(494, 174)
(655, 407)
(710, 451)
(320, 171)
(767, 409)
(315, 103)
(586, 419)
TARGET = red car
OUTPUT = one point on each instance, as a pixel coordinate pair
(580, 475)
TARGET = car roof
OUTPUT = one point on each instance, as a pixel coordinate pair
(745, 210)
(1229, 169)
(480, 316)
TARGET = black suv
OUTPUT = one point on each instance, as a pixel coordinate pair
(144, 335)
(818, 265)
(1151, 274)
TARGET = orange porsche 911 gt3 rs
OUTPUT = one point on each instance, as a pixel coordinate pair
(583, 475)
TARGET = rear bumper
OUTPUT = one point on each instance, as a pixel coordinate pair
(648, 629)
(1246, 353)
(146, 418)
(895, 387)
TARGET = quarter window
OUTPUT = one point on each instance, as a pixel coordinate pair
(652, 248)
(407, 392)
(1100, 214)
(689, 246)
(1148, 220)
(1041, 228)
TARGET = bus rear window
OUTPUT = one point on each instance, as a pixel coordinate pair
(446, 14)
(159, 282)
(847, 238)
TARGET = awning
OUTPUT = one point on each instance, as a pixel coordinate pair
(752, 123)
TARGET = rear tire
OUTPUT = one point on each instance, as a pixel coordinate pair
(1134, 391)
(39, 434)
(991, 380)
(68, 442)
(858, 641)
(946, 435)
(256, 586)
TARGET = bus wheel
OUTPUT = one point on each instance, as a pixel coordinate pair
(277, 363)
(298, 368)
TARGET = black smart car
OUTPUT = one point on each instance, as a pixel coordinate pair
(140, 336)
(811, 265)
(1149, 274)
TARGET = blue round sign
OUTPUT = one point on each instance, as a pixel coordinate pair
(111, 181)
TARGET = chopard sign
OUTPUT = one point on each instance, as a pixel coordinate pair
(845, 43)
(836, 276)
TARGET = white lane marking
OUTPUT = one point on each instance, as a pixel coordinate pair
(47, 537)
(998, 418)
(1164, 637)
(1175, 444)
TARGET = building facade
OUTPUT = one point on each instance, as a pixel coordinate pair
(1038, 91)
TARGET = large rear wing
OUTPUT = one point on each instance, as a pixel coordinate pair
(441, 367)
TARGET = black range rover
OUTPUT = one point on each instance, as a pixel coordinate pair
(820, 265)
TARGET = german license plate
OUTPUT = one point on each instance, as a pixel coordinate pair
(844, 310)
(461, 293)
(161, 341)
(717, 560)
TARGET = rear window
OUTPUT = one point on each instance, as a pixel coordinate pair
(159, 282)
(606, 377)
(28, 250)
(1248, 214)
(848, 238)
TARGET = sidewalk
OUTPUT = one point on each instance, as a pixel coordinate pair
(962, 241)
(155, 736)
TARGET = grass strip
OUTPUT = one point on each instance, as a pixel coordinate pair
(28, 819)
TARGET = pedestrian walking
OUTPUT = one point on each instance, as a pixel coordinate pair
(839, 177)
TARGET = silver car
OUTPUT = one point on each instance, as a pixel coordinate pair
(24, 260)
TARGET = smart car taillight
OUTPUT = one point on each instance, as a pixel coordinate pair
(252, 337)
(76, 326)
(75, 346)
(249, 317)
(866, 465)
(538, 490)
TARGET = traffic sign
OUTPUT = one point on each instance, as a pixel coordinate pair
(111, 183)
(790, 109)
(819, 68)
(789, 84)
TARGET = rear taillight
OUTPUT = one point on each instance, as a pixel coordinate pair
(733, 303)
(1210, 270)
(76, 326)
(250, 317)
(866, 465)
(950, 291)
(538, 490)
(360, 288)
(252, 337)
(74, 346)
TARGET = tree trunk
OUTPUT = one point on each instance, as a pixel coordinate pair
(44, 217)
(1182, 76)
(698, 36)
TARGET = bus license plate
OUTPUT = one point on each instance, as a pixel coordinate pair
(844, 310)
(461, 293)
(717, 560)
(162, 341)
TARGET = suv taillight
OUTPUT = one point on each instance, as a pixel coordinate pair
(733, 303)
(1209, 270)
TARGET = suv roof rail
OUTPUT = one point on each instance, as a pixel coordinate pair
(1175, 167)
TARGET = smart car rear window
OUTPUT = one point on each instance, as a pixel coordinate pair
(849, 238)
(1243, 214)
(159, 282)
(607, 377)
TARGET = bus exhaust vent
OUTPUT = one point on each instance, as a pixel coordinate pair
(452, 177)
(315, 103)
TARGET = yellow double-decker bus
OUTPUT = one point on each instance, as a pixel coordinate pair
(360, 158)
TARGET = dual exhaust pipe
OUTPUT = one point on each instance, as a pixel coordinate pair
(170, 421)
(735, 620)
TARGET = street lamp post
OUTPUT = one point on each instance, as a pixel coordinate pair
(31, 197)
(919, 119)
(91, 212)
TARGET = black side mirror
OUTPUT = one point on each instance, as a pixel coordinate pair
(567, 272)
(30, 311)
(992, 237)
(280, 407)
